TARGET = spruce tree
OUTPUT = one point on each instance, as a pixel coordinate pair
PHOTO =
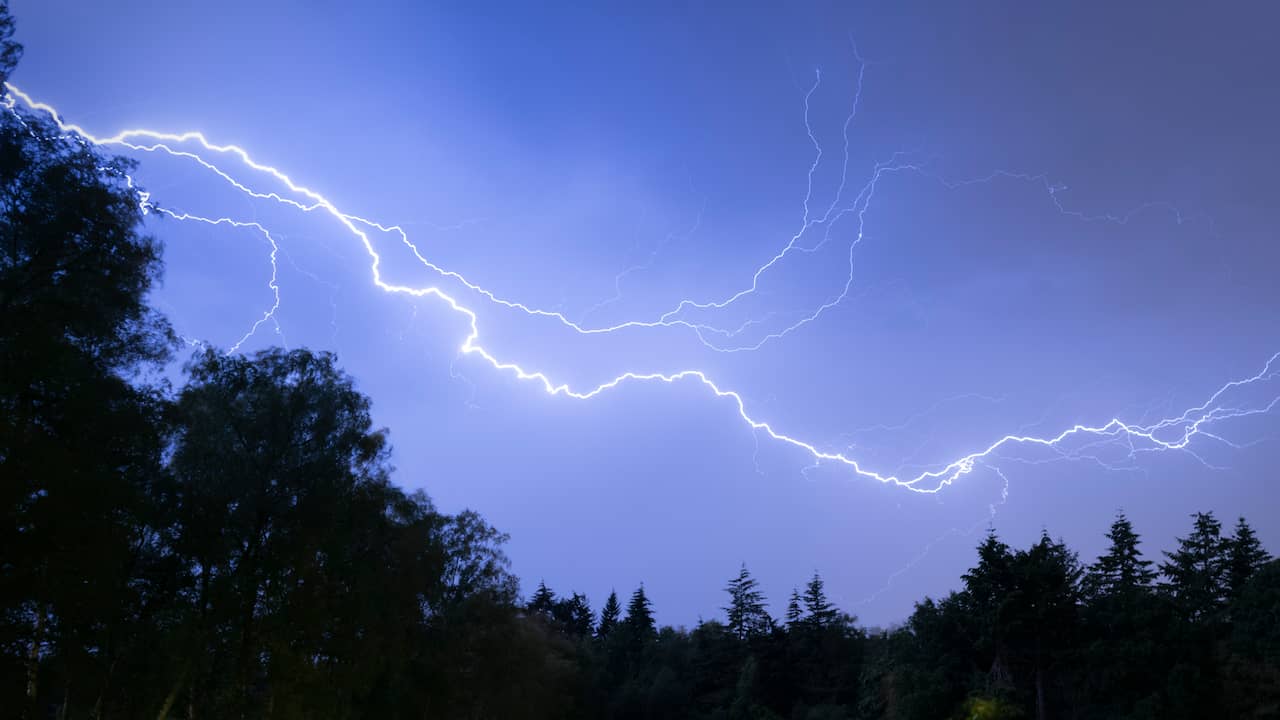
(639, 619)
(1196, 572)
(10, 51)
(987, 587)
(1122, 571)
(793, 610)
(609, 615)
(543, 601)
(747, 616)
(820, 612)
(1244, 557)
(635, 633)
(1038, 619)
(993, 575)
(580, 621)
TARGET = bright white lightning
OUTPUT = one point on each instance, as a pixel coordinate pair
(1173, 433)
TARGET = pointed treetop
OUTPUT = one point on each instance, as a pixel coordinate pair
(575, 616)
(1196, 573)
(820, 611)
(1121, 570)
(1244, 557)
(639, 617)
(543, 600)
(747, 616)
(992, 576)
(793, 609)
(609, 615)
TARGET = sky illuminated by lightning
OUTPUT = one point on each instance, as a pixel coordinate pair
(743, 346)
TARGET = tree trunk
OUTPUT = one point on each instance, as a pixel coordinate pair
(102, 694)
(33, 662)
(1041, 711)
(245, 662)
(250, 559)
(999, 675)
(202, 636)
(172, 696)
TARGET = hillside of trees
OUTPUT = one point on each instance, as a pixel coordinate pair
(236, 548)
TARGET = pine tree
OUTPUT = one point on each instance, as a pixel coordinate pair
(1038, 617)
(987, 587)
(1196, 572)
(1244, 557)
(820, 612)
(1122, 571)
(747, 616)
(543, 601)
(580, 621)
(609, 615)
(10, 51)
(793, 610)
(635, 633)
(639, 620)
(993, 575)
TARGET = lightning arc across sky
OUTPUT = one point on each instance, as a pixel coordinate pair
(1175, 432)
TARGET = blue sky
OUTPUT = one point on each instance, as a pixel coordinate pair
(1086, 230)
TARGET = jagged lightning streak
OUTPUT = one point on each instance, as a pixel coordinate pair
(148, 207)
(1173, 433)
(270, 314)
(834, 212)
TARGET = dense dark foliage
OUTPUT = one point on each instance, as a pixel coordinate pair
(1032, 633)
(235, 548)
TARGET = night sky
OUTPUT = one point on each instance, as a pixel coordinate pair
(1050, 215)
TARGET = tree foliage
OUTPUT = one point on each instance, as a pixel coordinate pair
(746, 609)
(1245, 556)
(1122, 571)
(1196, 572)
(10, 51)
(609, 615)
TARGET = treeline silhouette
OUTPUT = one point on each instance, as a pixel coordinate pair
(1032, 633)
(235, 548)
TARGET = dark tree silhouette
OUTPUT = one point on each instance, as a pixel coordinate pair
(639, 621)
(80, 444)
(793, 610)
(1196, 573)
(747, 616)
(1244, 557)
(543, 600)
(1040, 618)
(576, 615)
(609, 615)
(1122, 571)
(819, 612)
(1124, 624)
(10, 51)
(285, 444)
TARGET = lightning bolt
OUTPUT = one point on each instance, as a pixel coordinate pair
(270, 314)
(1167, 434)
